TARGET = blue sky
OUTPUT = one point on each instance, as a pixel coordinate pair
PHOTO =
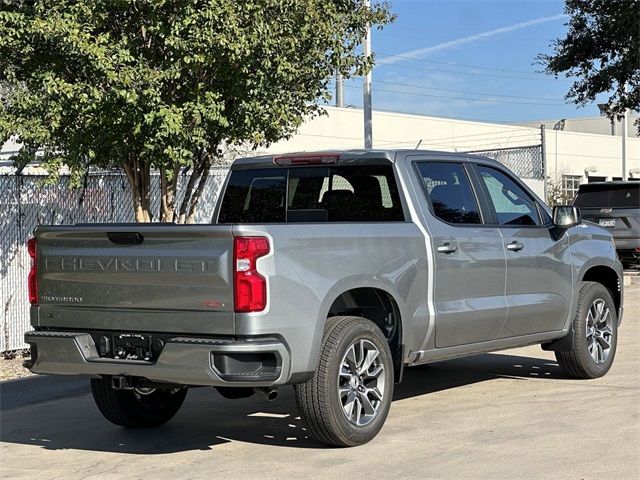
(441, 57)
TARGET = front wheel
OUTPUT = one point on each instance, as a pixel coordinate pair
(137, 408)
(347, 400)
(595, 334)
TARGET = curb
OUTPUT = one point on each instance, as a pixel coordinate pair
(37, 389)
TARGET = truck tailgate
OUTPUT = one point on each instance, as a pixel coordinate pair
(133, 277)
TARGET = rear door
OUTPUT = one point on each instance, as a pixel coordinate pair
(470, 270)
(539, 284)
(155, 278)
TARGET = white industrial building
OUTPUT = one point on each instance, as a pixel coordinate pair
(574, 150)
(570, 157)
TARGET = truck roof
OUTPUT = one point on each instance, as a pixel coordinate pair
(352, 156)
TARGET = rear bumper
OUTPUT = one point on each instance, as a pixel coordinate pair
(626, 238)
(183, 360)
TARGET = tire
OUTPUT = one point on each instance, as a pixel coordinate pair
(595, 326)
(336, 390)
(136, 408)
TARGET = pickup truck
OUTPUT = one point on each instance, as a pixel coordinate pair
(330, 272)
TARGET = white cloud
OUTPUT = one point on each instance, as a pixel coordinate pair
(464, 40)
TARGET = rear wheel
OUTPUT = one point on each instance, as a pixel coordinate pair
(347, 400)
(137, 408)
(595, 334)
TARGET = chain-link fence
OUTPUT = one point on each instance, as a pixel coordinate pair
(26, 202)
(525, 162)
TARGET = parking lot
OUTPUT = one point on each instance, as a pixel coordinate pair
(502, 415)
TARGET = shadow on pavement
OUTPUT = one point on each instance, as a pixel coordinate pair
(207, 419)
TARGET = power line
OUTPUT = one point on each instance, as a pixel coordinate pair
(323, 136)
(513, 130)
(464, 98)
(455, 64)
(484, 140)
(487, 137)
(486, 144)
(479, 74)
(617, 157)
(469, 143)
(466, 91)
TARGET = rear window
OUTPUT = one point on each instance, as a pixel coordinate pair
(620, 196)
(363, 193)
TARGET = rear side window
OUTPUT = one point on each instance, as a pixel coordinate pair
(450, 192)
(620, 196)
(363, 193)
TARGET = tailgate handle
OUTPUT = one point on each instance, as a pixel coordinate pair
(125, 238)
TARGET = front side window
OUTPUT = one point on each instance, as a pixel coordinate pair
(450, 193)
(511, 204)
(362, 193)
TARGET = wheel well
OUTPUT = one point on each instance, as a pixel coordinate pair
(607, 277)
(381, 308)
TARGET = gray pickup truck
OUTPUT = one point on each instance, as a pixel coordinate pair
(331, 272)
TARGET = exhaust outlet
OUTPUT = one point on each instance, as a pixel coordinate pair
(270, 393)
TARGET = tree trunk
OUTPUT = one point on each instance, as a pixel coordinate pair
(145, 174)
(139, 176)
(140, 194)
(168, 187)
(185, 206)
(196, 196)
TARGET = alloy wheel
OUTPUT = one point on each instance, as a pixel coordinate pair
(361, 382)
(599, 332)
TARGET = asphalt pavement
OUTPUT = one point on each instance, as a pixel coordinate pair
(504, 415)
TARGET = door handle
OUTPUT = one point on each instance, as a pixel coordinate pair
(515, 246)
(447, 248)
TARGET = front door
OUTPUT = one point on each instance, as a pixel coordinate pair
(539, 278)
(469, 283)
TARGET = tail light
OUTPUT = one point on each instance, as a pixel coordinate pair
(33, 273)
(250, 288)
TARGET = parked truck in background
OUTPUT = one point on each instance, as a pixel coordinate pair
(330, 272)
(616, 207)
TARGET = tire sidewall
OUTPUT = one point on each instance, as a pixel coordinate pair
(364, 330)
(593, 292)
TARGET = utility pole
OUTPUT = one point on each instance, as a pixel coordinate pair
(366, 89)
(625, 121)
(339, 90)
(543, 158)
(625, 127)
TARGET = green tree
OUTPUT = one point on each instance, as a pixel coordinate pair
(601, 51)
(166, 85)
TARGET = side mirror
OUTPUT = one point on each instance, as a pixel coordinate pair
(566, 216)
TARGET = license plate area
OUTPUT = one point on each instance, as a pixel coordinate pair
(132, 346)
(606, 222)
